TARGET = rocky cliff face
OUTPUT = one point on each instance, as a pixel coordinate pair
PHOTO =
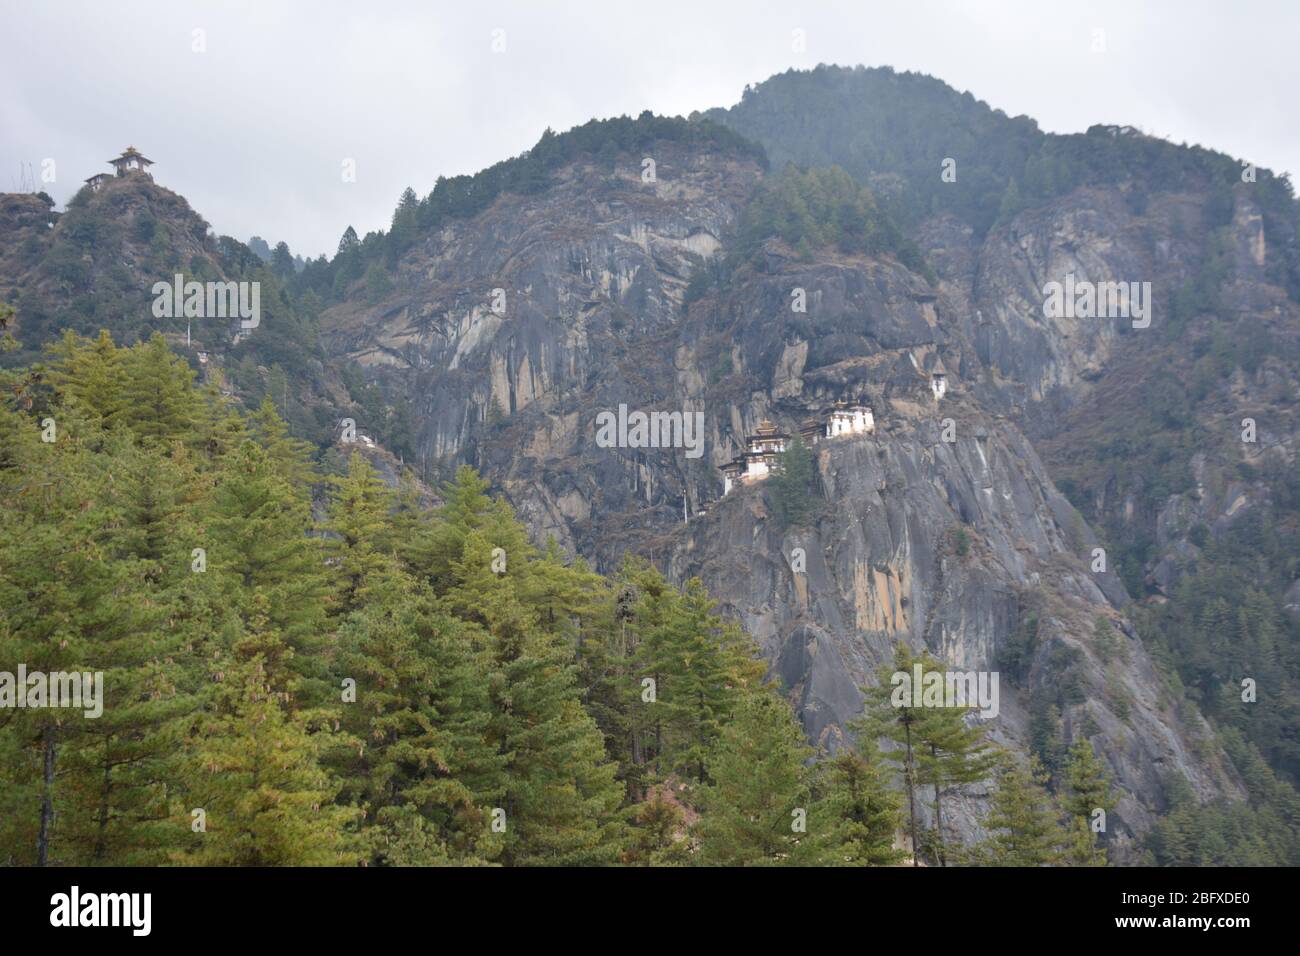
(589, 280)
(1067, 380)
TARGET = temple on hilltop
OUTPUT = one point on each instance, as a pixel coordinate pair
(131, 161)
(755, 464)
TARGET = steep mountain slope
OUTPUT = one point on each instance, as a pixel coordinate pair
(595, 272)
(1177, 441)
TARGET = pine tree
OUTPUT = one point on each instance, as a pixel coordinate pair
(365, 550)
(1081, 847)
(897, 720)
(562, 796)
(758, 787)
(254, 770)
(951, 751)
(700, 667)
(45, 535)
(1023, 821)
(91, 374)
(562, 799)
(159, 402)
(856, 814)
(257, 546)
(289, 455)
(124, 760)
(1087, 789)
(417, 756)
(92, 573)
(792, 485)
(935, 745)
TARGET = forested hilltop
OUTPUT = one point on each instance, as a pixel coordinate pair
(396, 685)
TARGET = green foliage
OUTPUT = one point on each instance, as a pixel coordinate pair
(1222, 627)
(1024, 822)
(896, 129)
(792, 484)
(665, 676)
(759, 785)
(1260, 831)
(1086, 789)
(933, 746)
(855, 814)
(822, 207)
(227, 676)
(1017, 653)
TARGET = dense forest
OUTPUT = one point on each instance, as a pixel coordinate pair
(394, 685)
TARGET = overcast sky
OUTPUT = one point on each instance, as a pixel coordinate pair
(254, 128)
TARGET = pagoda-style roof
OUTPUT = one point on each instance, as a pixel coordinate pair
(131, 153)
(767, 430)
(848, 406)
(938, 367)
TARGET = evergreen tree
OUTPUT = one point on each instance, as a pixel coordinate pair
(562, 800)
(897, 721)
(90, 374)
(253, 767)
(417, 755)
(1023, 821)
(364, 552)
(159, 402)
(289, 455)
(951, 751)
(258, 548)
(1087, 789)
(792, 485)
(758, 786)
(1081, 848)
(856, 814)
(700, 669)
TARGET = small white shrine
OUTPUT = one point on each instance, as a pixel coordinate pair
(938, 379)
(850, 419)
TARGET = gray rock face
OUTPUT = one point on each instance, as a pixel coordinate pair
(882, 567)
(521, 304)
(949, 545)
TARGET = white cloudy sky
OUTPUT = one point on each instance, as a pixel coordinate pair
(254, 130)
